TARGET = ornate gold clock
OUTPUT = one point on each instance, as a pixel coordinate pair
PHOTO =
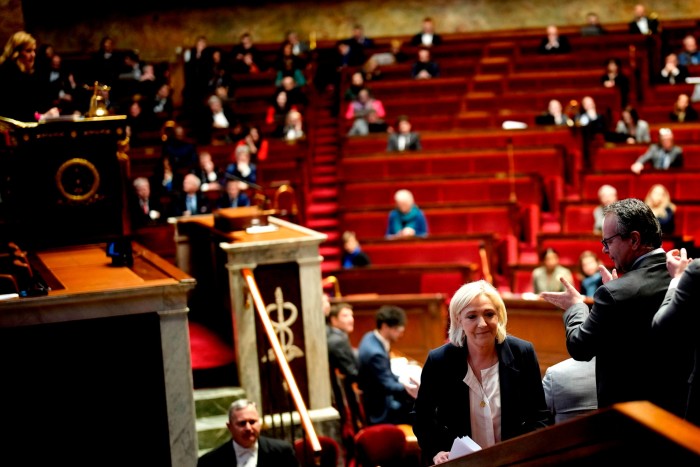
(78, 180)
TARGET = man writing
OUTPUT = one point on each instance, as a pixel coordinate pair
(386, 399)
(617, 330)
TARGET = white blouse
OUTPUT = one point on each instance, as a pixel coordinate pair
(485, 406)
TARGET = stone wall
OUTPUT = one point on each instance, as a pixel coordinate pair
(159, 36)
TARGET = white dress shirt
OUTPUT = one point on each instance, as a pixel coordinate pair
(485, 405)
(246, 457)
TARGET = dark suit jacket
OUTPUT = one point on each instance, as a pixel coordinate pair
(417, 39)
(676, 323)
(564, 46)
(413, 143)
(203, 206)
(442, 407)
(656, 155)
(618, 333)
(382, 394)
(652, 22)
(271, 453)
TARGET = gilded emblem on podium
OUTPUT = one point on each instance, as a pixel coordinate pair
(78, 180)
(283, 327)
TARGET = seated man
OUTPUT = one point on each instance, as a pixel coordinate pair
(192, 200)
(342, 357)
(553, 43)
(592, 26)
(406, 219)
(690, 55)
(643, 23)
(145, 208)
(403, 139)
(662, 156)
(427, 37)
(385, 398)
(232, 197)
(247, 447)
(569, 389)
(425, 67)
(607, 194)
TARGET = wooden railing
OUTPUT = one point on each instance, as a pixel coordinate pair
(260, 308)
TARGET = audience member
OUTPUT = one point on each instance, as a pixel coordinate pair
(547, 277)
(299, 48)
(554, 43)
(244, 47)
(192, 200)
(569, 389)
(554, 115)
(341, 355)
(406, 219)
(376, 124)
(140, 122)
(677, 322)
(617, 328)
(166, 183)
(289, 64)
(615, 78)
(592, 26)
(358, 110)
(295, 93)
(196, 68)
(659, 200)
(672, 72)
(162, 105)
(258, 145)
(607, 194)
(21, 98)
(347, 56)
(218, 75)
(216, 126)
(425, 67)
(427, 37)
(403, 139)
(62, 90)
(372, 67)
(643, 23)
(105, 63)
(357, 83)
(690, 55)
(683, 110)
(247, 446)
(353, 256)
(232, 196)
(145, 209)
(590, 118)
(293, 126)
(662, 156)
(207, 172)
(242, 169)
(630, 125)
(483, 383)
(589, 273)
(385, 398)
(277, 113)
(178, 148)
(359, 42)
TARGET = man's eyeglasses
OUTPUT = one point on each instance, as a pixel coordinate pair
(606, 240)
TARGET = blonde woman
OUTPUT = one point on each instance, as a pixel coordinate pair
(659, 200)
(21, 97)
(483, 383)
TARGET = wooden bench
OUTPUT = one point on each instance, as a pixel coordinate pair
(407, 278)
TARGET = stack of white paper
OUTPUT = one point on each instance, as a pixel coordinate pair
(463, 446)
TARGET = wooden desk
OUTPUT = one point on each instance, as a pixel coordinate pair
(104, 358)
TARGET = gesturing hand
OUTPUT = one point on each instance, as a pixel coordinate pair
(565, 299)
(677, 261)
(607, 275)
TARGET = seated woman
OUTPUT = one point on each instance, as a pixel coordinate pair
(545, 278)
(483, 383)
(683, 110)
(358, 110)
(659, 200)
(636, 129)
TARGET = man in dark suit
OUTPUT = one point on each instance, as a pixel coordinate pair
(247, 447)
(427, 37)
(662, 156)
(403, 139)
(554, 43)
(676, 324)
(342, 359)
(385, 398)
(617, 330)
(192, 200)
(145, 209)
(643, 24)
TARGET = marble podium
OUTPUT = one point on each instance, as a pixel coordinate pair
(285, 260)
(97, 372)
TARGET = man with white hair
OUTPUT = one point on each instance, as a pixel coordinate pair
(663, 155)
(607, 194)
(406, 219)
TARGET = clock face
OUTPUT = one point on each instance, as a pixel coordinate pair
(77, 180)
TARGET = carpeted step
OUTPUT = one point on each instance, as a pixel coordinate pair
(322, 223)
(328, 266)
(333, 236)
(325, 159)
(325, 180)
(324, 193)
(323, 171)
(323, 208)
